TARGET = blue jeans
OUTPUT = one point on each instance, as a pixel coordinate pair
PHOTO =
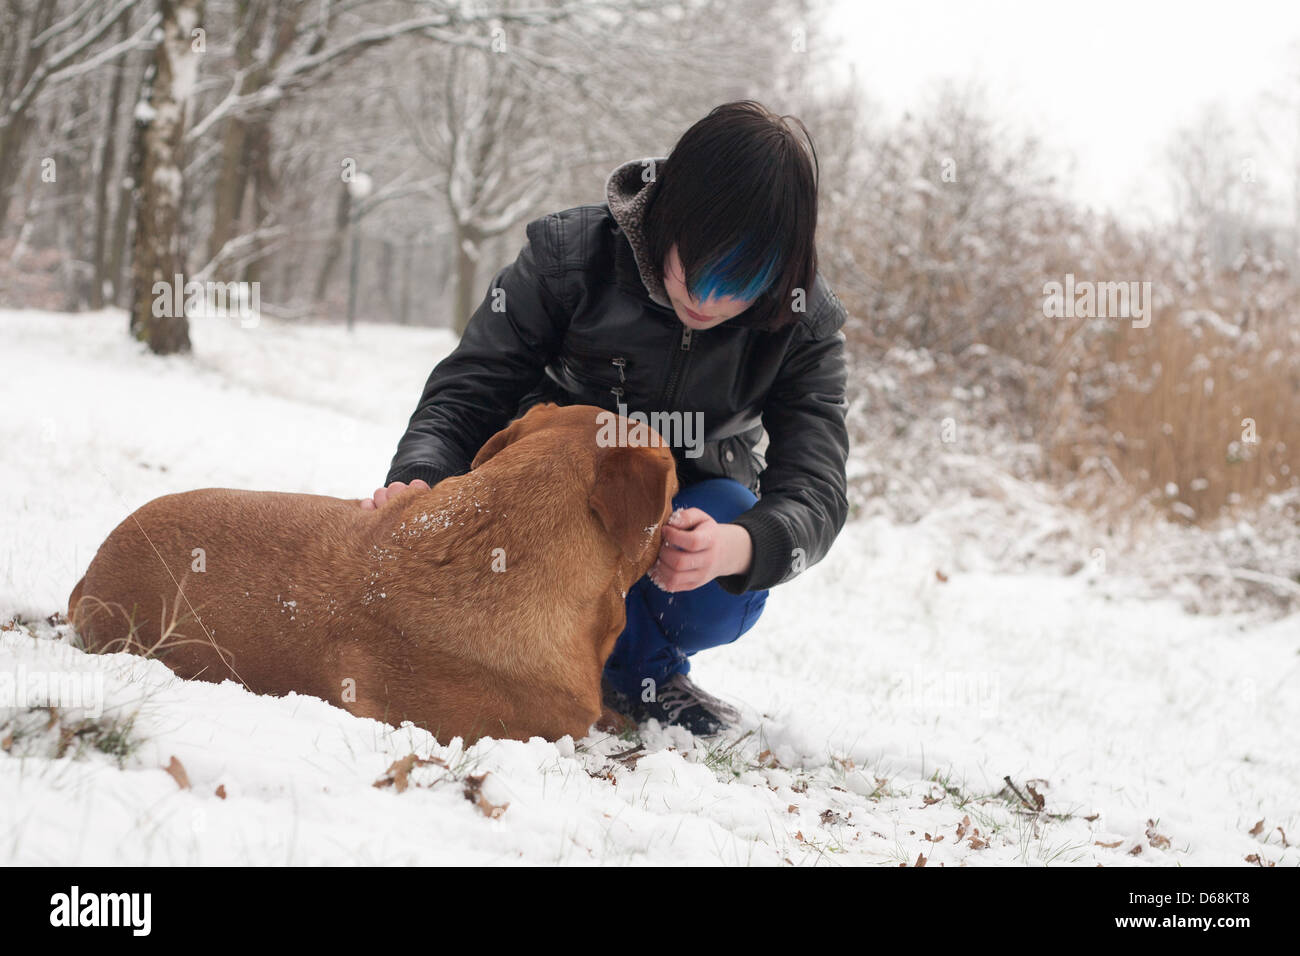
(664, 629)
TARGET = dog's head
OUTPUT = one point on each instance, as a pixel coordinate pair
(626, 468)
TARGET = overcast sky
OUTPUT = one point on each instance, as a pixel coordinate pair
(1106, 82)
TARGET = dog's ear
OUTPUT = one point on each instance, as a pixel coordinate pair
(631, 496)
(516, 430)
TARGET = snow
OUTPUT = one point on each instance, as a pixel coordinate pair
(886, 692)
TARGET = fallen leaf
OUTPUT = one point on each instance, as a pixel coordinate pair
(397, 774)
(1136, 850)
(177, 770)
(920, 860)
(1038, 797)
(1109, 846)
(792, 809)
(221, 791)
(474, 794)
(940, 575)
(7, 743)
(629, 757)
(1257, 829)
(930, 801)
(1093, 818)
(1158, 841)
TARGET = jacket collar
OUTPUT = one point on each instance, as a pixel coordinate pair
(627, 191)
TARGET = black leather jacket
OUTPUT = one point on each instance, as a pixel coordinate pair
(574, 324)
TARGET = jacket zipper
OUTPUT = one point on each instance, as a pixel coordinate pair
(620, 363)
(675, 376)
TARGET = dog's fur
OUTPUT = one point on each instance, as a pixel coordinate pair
(485, 606)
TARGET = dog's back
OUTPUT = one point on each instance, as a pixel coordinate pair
(486, 605)
(198, 578)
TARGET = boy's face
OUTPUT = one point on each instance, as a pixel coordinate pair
(693, 313)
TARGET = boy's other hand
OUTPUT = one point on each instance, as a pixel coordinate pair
(696, 549)
(383, 495)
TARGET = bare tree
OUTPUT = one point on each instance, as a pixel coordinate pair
(38, 50)
(158, 256)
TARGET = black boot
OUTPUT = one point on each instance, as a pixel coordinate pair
(679, 702)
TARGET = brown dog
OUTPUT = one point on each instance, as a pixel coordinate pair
(485, 606)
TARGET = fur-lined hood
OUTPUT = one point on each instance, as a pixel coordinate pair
(627, 191)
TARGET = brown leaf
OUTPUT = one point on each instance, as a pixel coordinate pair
(1109, 846)
(1283, 832)
(1158, 841)
(829, 816)
(629, 757)
(920, 860)
(397, 774)
(177, 770)
(221, 791)
(1136, 850)
(7, 743)
(961, 828)
(930, 801)
(1257, 829)
(474, 794)
(1038, 797)
(792, 809)
(975, 843)
(940, 575)
(1093, 818)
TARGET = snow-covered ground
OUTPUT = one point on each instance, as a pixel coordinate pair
(884, 705)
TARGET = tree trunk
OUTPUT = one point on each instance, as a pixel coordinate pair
(466, 271)
(15, 127)
(232, 180)
(160, 181)
(408, 262)
(107, 172)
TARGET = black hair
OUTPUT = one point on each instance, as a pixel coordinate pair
(738, 197)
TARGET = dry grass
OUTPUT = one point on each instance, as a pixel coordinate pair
(1195, 414)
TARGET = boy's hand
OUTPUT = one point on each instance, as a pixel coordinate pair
(382, 495)
(697, 549)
